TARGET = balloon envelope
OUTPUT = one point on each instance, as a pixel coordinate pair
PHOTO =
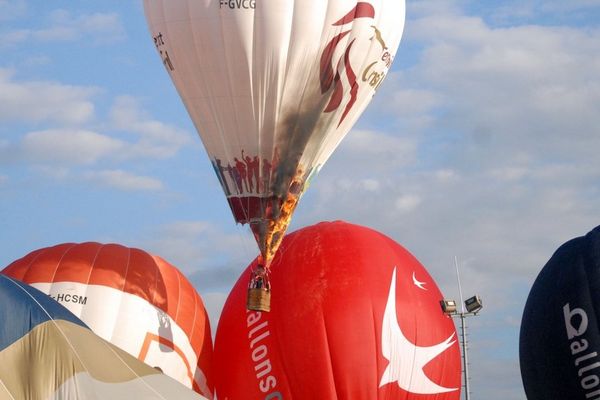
(355, 316)
(272, 87)
(48, 353)
(133, 299)
(560, 330)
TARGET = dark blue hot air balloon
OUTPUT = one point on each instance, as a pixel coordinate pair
(560, 336)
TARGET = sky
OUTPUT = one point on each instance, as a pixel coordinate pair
(481, 144)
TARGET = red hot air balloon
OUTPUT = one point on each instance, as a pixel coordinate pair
(133, 299)
(371, 326)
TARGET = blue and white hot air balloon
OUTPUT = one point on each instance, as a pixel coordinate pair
(48, 353)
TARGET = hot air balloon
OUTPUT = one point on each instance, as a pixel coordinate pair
(48, 353)
(133, 299)
(559, 343)
(272, 87)
(372, 327)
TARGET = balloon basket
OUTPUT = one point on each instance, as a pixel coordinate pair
(259, 289)
(259, 299)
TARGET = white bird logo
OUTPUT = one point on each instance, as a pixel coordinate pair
(407, 360)
(420, 285)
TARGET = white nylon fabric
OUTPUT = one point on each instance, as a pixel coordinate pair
(273, 86)
(152, 387)
(132, 324)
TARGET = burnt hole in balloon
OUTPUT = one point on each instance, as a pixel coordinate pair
(298, 128)
(300, 134)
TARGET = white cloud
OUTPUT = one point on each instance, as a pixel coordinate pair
(214, 302)
(13, 37)
(102, 27)
(535, 89)
(370, 185)
(42, 101)
(412, 102)
(68, 147)
(53, 171)
(446, 176)
(63, 26)
(509, 173)
(506, 383)
(11, 9)
(36, 61)
(513, 12)
(123, 180)
(186, 228)
(217, 256)
(374, 153)
(432, 7)
(156, 138)
(407, 202)
(558, 6)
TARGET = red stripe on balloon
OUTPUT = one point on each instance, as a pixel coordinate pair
(327, 71)
(352, 81)
(362, 10)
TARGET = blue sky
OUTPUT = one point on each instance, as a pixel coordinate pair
(482, 144)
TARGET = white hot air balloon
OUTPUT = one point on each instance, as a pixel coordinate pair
(272, 87)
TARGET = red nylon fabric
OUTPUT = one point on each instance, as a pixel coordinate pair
(323, 336)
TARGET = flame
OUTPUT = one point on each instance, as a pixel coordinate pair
(278, 226)
(270, 233)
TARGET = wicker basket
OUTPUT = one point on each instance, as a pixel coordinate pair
(259, 299)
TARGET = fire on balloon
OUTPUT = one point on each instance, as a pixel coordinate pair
(259, 287)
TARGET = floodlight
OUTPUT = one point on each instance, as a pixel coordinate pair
(474, 304)
(448, 306)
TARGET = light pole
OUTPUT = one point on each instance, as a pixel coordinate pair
(469, 307)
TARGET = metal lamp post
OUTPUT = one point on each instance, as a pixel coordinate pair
(469, 307)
